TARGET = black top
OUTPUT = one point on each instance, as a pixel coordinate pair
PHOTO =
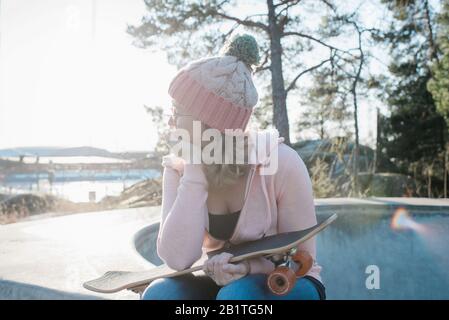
(221, 226)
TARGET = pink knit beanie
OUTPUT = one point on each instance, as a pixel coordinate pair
(219, 90)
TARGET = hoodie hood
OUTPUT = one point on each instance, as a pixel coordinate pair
(263, 146)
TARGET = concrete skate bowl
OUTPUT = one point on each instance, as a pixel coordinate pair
(145, 243)
(365, 256)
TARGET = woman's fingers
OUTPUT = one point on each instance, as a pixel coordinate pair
(206, 267)
(209, 265)
(217, 267)
(227, 277)
(234, 268)
(221, 271)
(225, 257)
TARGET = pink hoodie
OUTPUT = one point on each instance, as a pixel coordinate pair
(276, 203)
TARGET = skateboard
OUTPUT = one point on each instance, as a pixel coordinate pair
(280, 248)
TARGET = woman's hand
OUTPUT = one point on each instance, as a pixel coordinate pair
(223, 272)
(174, 162)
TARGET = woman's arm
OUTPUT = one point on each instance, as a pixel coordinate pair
(181, 234)
(170, 183)
(296, 207)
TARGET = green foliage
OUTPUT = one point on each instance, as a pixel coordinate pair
(438, 85)
(406, 92)
(322, 185)
(185, 30)
(325, 103)
(415, 132)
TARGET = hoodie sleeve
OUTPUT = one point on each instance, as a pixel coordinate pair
(180, 238)
(294, 193)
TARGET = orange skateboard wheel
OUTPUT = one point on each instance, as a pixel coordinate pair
(304, 261)
(281, 281)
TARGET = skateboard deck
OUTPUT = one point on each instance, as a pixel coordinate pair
(278, 244)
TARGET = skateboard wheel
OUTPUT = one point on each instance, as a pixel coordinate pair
(304, 261)
(281, 280)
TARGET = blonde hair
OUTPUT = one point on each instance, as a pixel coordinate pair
(225, 174)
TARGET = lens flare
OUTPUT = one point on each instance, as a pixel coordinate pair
(402, 221)
(431, 232)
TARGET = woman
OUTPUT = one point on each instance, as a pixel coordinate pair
(207, 206)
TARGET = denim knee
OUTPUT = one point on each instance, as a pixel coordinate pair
(254, 287)
(186, 287)
(163, 289)
(246, 288)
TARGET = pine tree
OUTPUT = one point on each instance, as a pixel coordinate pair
(326, 106)
(415, 133)
(438, 85)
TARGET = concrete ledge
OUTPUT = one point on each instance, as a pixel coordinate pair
(379, 205)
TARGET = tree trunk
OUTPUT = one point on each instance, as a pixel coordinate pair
(429, 187)
(430, 37)
(356, 146)
(445, 170)
(280, 116)
(378, 146)
(322, 128)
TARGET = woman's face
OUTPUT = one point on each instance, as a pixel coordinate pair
(181, 119)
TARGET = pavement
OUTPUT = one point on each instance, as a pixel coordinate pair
(60, 253)
(50, 258)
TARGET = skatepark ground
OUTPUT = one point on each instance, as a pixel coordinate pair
(50, 257)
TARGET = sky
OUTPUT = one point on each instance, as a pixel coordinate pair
(67, 81)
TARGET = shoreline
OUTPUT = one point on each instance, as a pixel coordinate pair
(31, 206)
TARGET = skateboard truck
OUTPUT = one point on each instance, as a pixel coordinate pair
(282, 280)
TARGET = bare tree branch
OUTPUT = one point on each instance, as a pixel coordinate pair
(283, 2)
(262, 69)
(293, 83)
(299, 34)
(262, 66)
(330, 5)
(288, 6)
(246, 22)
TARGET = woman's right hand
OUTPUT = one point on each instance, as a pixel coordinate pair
(222, 272)
(174, 162)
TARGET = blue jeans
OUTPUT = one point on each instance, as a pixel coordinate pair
(201, 287)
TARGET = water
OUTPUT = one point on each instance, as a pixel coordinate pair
(77, 185)
(412, 265)
(68, 159)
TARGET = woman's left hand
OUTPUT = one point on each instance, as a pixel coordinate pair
(223, 272)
